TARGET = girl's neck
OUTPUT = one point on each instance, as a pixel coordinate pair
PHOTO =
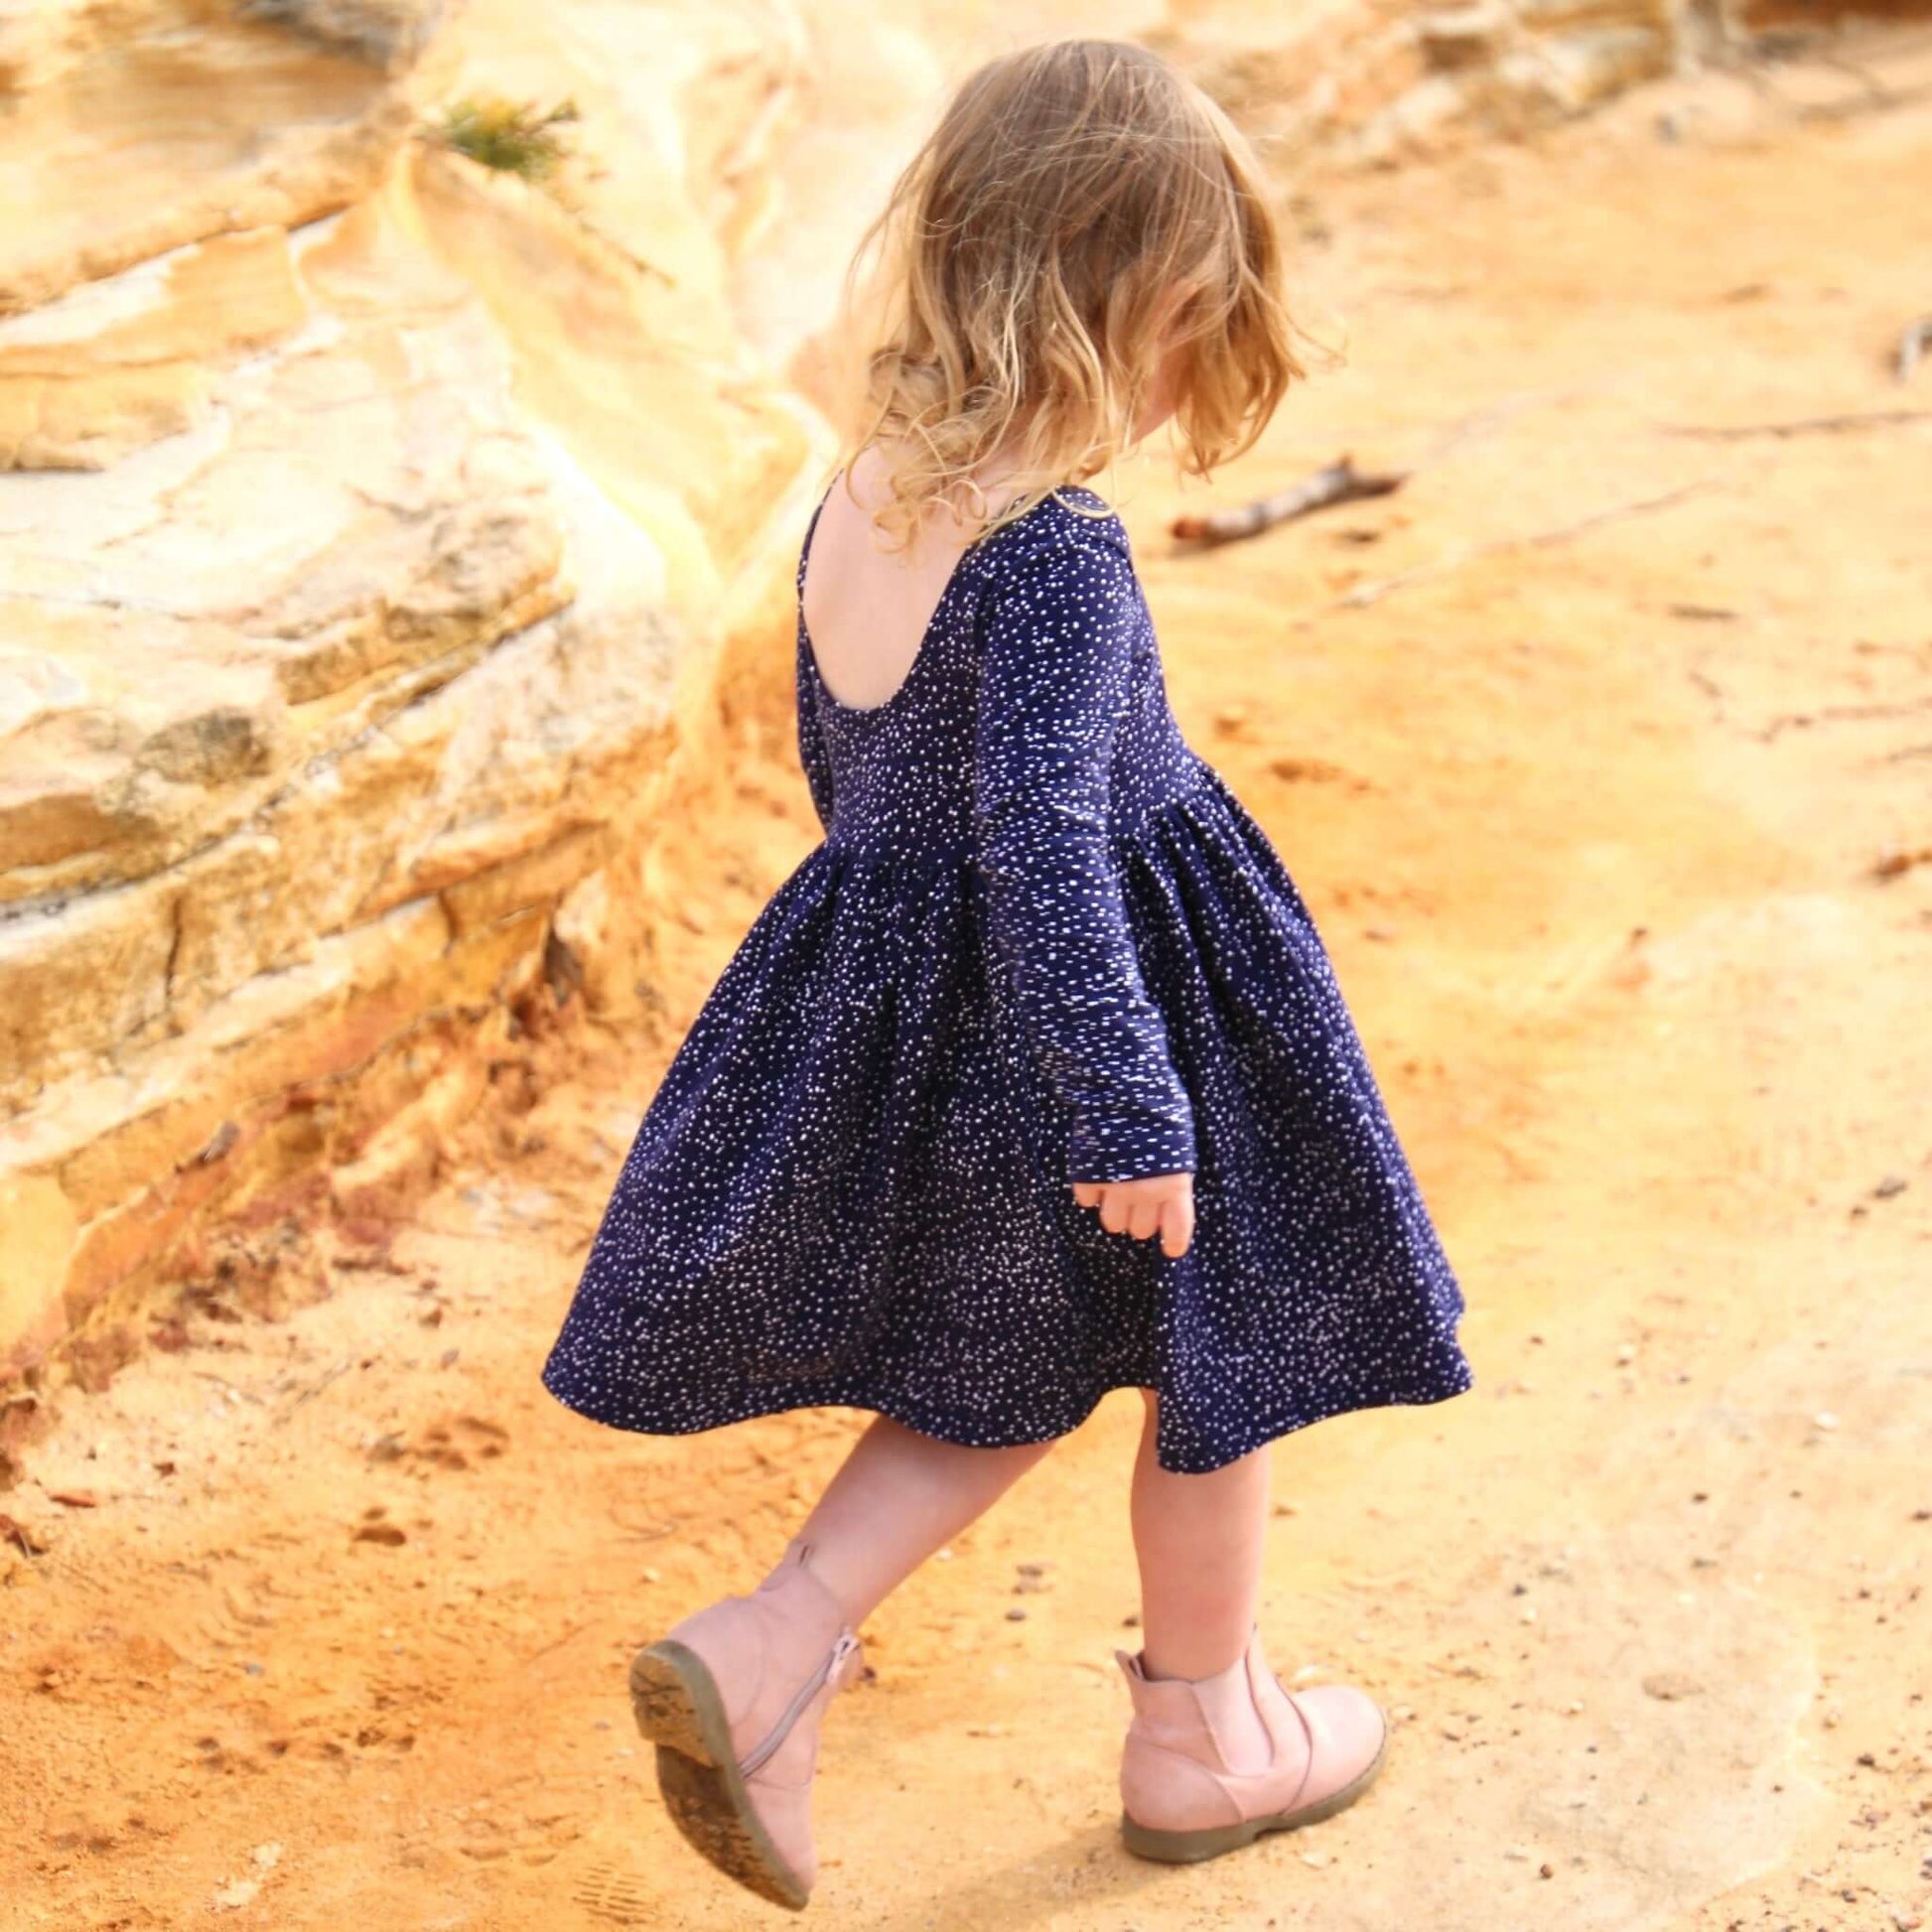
(989, 479)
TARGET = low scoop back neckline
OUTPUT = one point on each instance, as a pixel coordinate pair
(954, 576)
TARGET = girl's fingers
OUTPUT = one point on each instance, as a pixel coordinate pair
(1178, 1225)
(1134, 1208)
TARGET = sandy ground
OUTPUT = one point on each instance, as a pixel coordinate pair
(1620, 831)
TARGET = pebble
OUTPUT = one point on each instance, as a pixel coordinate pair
(1307, 1674)
(1823, 1420)
(1670, 1686)
(1627, 1353)
(1528, 1614)
(1016, 1614)
(1546, 1872)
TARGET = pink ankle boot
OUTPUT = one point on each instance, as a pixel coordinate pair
(1182, 1801)
(732, 1697)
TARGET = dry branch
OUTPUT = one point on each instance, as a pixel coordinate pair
(1800, 425)
(1837, 713)
(1339, 482)
(1917, 339)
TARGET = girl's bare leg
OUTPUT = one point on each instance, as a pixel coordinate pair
(897, 1498)
(1200, 1541)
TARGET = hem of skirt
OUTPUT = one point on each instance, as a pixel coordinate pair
(784, 1399)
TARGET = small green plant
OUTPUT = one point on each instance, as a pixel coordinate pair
(521, 140)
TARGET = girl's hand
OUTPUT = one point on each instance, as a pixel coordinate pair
(1161, 1205)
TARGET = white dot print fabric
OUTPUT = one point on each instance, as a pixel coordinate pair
(1039, 942)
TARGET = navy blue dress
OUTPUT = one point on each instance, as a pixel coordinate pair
(1040, 942)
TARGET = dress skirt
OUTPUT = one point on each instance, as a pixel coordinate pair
(1011, 964)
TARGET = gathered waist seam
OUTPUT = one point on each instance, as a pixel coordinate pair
(962, 853)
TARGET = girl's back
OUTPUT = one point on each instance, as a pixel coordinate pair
(1035, 634)
(867, 608)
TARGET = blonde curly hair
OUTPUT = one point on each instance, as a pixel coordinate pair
(1080, 211)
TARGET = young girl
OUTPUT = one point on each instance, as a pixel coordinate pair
(1033, 1080)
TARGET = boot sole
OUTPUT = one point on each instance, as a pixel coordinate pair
(678, 1709)
(1188, 1847)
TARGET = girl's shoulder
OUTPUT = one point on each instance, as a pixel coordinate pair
(1064, 562)
(1070, 518)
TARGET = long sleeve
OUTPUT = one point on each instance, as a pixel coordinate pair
(1056, 672)
(812, 754)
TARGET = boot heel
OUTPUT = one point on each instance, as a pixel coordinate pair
(1188, 1847)
(677, 1704)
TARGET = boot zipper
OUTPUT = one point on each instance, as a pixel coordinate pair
(837, 1655)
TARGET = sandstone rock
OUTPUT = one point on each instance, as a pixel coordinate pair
(1593, 63)
(384, 572)
(1458, 38)
(1374, 82)
(117, 365)
(135, 130)
(389, 33)
(37, 1230)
